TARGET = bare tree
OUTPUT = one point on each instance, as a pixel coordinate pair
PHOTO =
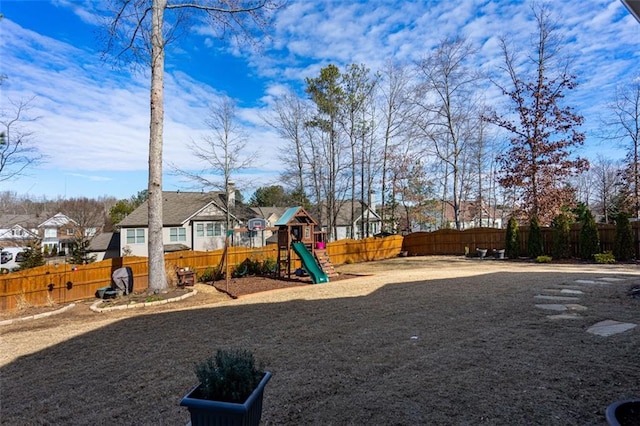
(89, 216)
(289, 117)
(396, 113)
(222, 152)
(543, 133)
(449, 114)
(138, 28)
(606, 178)
(624, 122)
(17, 151)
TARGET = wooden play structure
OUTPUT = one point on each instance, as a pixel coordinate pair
(298, 231)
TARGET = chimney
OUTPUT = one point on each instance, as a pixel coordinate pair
(231, 194)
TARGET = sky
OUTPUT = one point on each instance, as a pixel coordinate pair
(89, 115)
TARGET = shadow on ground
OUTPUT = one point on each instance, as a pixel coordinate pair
(457, 351)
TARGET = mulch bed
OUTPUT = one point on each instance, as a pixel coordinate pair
(237, 287)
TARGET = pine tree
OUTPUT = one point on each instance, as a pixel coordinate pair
(561, 234)
(534, 246)
(623, 241)
(32, 256)
(512, 240)
(589, 239)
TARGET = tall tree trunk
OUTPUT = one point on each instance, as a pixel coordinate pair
(157, 278)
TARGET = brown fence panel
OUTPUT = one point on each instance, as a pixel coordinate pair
(451, 241)
(354, 251)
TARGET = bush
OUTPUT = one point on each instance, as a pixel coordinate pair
(606, 257)
(269, 266)
(543, 259)
(230, 376)
(623, 240)
(589, 239)
(512, 240)
(210, 274)
(561, 234)
(534, 245)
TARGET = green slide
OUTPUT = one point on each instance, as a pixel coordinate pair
(309, 264)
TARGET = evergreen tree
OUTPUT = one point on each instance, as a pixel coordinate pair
(512, 240)
(589, 239)
(623, 241)
(32, 256)
(561, 234)
(534, 246)
(80, 254)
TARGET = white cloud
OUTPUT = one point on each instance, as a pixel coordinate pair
(93, 117)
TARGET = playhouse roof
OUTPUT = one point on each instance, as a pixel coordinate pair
(294, 213)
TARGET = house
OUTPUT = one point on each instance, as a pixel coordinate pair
(191, 221)
(268, 235)
(366, 222)
(58, 233)
(472, 216)
(18, 230)
(105, 245)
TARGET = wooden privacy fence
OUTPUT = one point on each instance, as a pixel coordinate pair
(67, 283)
(450, 241)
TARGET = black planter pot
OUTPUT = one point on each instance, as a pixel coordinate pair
(212, 413)
(624, 413)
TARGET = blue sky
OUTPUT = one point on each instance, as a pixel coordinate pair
(92, 117)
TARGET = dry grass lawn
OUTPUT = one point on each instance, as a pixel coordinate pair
(421, 340)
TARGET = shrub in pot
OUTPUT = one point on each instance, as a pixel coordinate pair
(230, 390)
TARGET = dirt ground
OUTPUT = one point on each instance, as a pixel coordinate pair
(418, 340)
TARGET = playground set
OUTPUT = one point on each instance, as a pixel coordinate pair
(298, 231)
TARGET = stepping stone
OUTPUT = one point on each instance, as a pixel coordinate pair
(576, 307)
(612, 279)
(610, 327)
(569, 291)
(559, 298)
(562, 291)
(564, 316)
(591, 282)
(552, 307)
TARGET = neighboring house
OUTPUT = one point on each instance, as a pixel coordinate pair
(59, 231)
(105, 246)
(364, 219)
(269, 234)
(18, 230)
(191, 220)
(472, 216)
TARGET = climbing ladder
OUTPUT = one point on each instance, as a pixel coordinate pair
(284, 267)
(325, 263)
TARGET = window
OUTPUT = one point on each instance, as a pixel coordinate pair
(16, 232)
(177, 234)
(135, 236)
(50, 233)
(70, 231)
(209, 229)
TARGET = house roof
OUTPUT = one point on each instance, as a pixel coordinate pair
(180, 207)
(266, 212)
(56, 221)
(344, 212)
(27, 221)
(104, 242)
